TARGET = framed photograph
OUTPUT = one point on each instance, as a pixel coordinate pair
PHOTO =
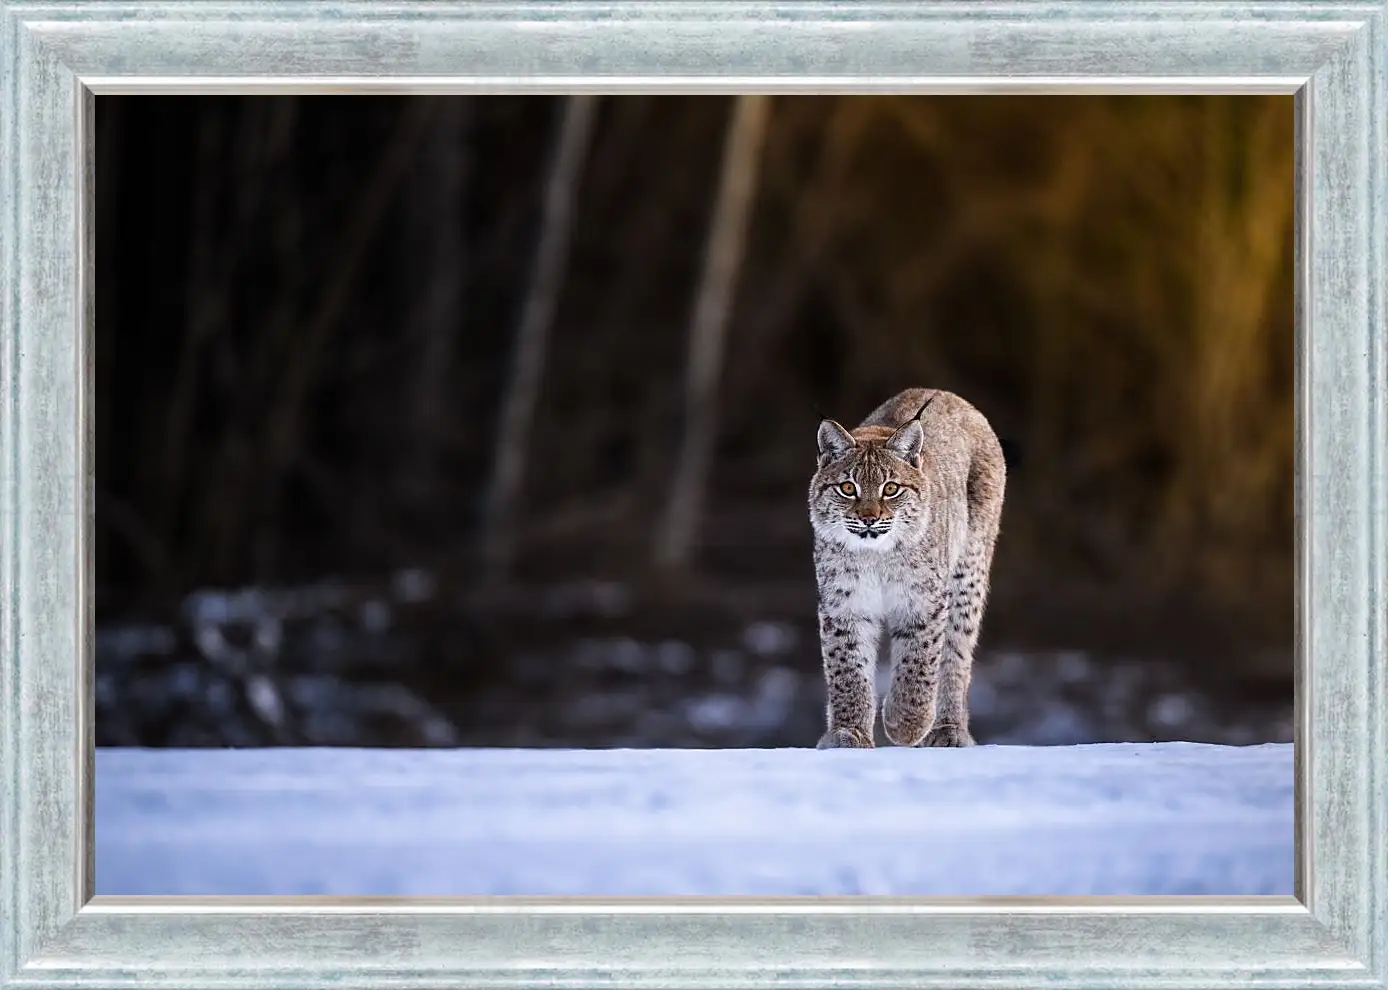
(693, 494)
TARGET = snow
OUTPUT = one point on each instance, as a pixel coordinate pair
(1127, 819)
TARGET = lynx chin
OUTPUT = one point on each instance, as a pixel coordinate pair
(905, 510)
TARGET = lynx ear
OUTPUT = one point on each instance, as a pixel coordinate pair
(834, 441)
(906, 443)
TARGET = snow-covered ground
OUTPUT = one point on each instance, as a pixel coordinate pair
(1127, 819)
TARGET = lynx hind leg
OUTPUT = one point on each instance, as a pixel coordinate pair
(968, 591)
(968, 594)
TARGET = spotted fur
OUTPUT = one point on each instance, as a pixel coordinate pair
(905, 510)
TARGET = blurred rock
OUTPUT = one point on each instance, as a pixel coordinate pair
(333, 665)
(769, 639)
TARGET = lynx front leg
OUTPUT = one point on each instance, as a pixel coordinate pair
(909, 710)
(846, 642)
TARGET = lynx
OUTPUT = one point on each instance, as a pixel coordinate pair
(905, 511)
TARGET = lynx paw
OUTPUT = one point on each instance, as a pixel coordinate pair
(945, 735)
(844, 739)
(905, 725)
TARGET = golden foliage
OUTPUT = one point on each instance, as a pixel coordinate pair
(1112, 275)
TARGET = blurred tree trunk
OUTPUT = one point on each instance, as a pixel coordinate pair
(522, 389)
(262, 159)
(708, 327)
(822, 204)
(1239, 426)
(293, 351)
(204, 318)
(436, 246)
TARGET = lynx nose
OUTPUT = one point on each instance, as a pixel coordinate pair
(869, 513)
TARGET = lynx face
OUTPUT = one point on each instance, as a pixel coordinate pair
(867, 490)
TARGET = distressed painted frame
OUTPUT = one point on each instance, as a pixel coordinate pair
(54, 56)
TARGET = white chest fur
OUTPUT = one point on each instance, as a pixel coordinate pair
(868, 590)
(880, 587)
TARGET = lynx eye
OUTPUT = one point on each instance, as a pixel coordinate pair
(891, 490)
(848, 489)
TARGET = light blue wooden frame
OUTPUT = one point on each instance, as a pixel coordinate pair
(55, 56)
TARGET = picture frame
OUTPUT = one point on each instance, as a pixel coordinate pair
(55, 58)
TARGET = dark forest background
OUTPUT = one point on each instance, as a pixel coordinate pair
(488, 421)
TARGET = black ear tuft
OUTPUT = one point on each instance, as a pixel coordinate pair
(906, 442)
